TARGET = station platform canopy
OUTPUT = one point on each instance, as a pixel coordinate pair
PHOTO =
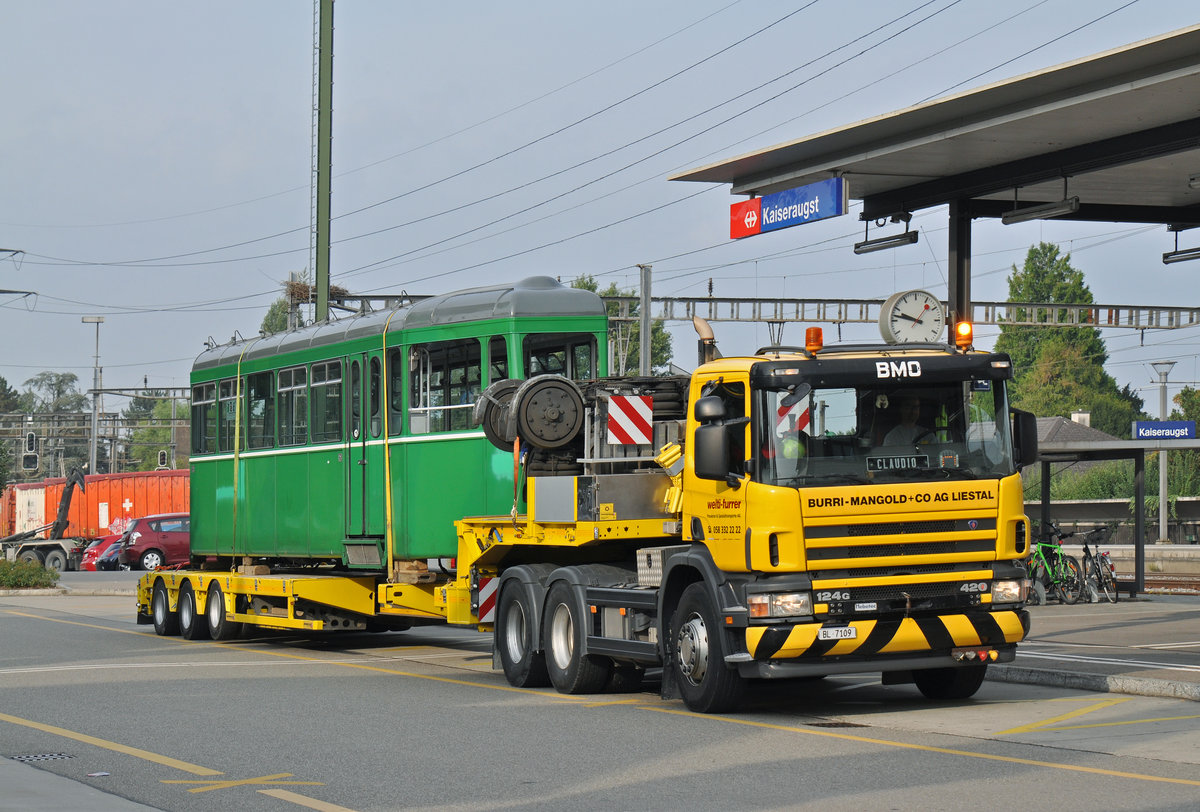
(1113, 137)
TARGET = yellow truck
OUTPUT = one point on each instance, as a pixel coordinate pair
(798, 512)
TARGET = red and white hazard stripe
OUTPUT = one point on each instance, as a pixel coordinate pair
(487, 599)
(630, 419)
(800, 410)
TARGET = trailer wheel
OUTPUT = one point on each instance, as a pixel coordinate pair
(32, 556)
(219, 628)
(516, 639)
(571, 671)
(697, 654)
(191, 624)
(950, 683)
(56, 560)
(166, 622)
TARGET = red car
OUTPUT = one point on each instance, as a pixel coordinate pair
(157, 541)
(96, 549)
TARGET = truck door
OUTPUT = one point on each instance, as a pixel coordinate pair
(365, 445)
(715, 510)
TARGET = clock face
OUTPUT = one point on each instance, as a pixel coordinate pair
(912, 316)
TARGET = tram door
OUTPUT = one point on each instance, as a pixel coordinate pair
(365, 444)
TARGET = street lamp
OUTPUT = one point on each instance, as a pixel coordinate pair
(1163, 368)
(96, 320)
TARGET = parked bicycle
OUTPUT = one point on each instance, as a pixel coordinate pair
(1098, 570)
(1054, 573)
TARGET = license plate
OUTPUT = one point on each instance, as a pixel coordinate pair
(837, 633)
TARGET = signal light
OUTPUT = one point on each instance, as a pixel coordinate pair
(814, 339)
(964, 335)
(30, 442)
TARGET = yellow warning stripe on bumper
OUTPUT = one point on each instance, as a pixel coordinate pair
(889, 636)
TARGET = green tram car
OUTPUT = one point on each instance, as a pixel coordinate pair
(298, 437)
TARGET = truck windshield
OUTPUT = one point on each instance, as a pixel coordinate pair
(836, 436)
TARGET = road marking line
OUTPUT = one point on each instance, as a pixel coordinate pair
(1108, 703)
(1129, 722)
(139, 632)
(272, 780)
(928, 748)
(145, 755)
(1110, 661)
(304, 800)
(1167, 645)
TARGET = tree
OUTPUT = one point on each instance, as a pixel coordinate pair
(276, 320)
(10, 404)
(65, 431)
(624, 337)
(1059, 370)
(56, 392)
(152, 429)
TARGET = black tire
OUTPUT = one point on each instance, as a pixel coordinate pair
(56, 560)
(1071, 586)
(950, 683)
(192, 626)
(516, 639)
(32, 556)
(151, 560)
(166, 622)
(1108, 583)
(219, 628)
(570, 670)
(697, 655)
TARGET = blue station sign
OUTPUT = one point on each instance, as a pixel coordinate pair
(791, 207)
(1164, 429)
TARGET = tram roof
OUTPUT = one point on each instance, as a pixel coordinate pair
(1121, 126)
(530, 297)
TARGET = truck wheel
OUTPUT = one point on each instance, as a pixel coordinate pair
(56, 560)
(32, 556)
(516, 639)
(191, 625)
(151, 560)
(697, 651)
(219, 628)
(166, 622)
(570, 670)
(950, 683)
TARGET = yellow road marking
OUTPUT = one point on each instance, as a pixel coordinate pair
(304, 800)
(146, 755)
(139, 632)
(1108, 703)
(1050, 765)
(1129, 722)
(272, 780)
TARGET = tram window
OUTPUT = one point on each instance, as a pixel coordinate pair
(293, 406)
(569, 354)
(204, 418)
(227, 414)
(260, 410)
(497, 359)
(326, 395)
(395, 373)
(374, 405)
(444, 382)
(355, 400)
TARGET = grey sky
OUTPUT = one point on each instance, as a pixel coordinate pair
(156, 158)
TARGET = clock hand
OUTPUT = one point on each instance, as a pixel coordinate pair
(910, 318)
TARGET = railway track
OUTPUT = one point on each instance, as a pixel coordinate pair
(1168, 582)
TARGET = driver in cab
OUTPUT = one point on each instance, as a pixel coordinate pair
(908, 430)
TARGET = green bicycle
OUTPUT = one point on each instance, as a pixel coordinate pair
(1054, 573)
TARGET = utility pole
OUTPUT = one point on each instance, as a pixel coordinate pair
(644, 324)
(1163, 368)
(324, 148)
(96, 320)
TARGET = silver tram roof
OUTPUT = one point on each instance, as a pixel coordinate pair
(535, 296)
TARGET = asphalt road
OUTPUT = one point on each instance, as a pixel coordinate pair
(418, 720)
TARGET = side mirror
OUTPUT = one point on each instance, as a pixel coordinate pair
(1024, 428)
(708, 409)
(710, 450)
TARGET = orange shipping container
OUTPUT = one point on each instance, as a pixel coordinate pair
(110, 501)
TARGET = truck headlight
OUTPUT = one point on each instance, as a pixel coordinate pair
(1013, 591)
(779, 604)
